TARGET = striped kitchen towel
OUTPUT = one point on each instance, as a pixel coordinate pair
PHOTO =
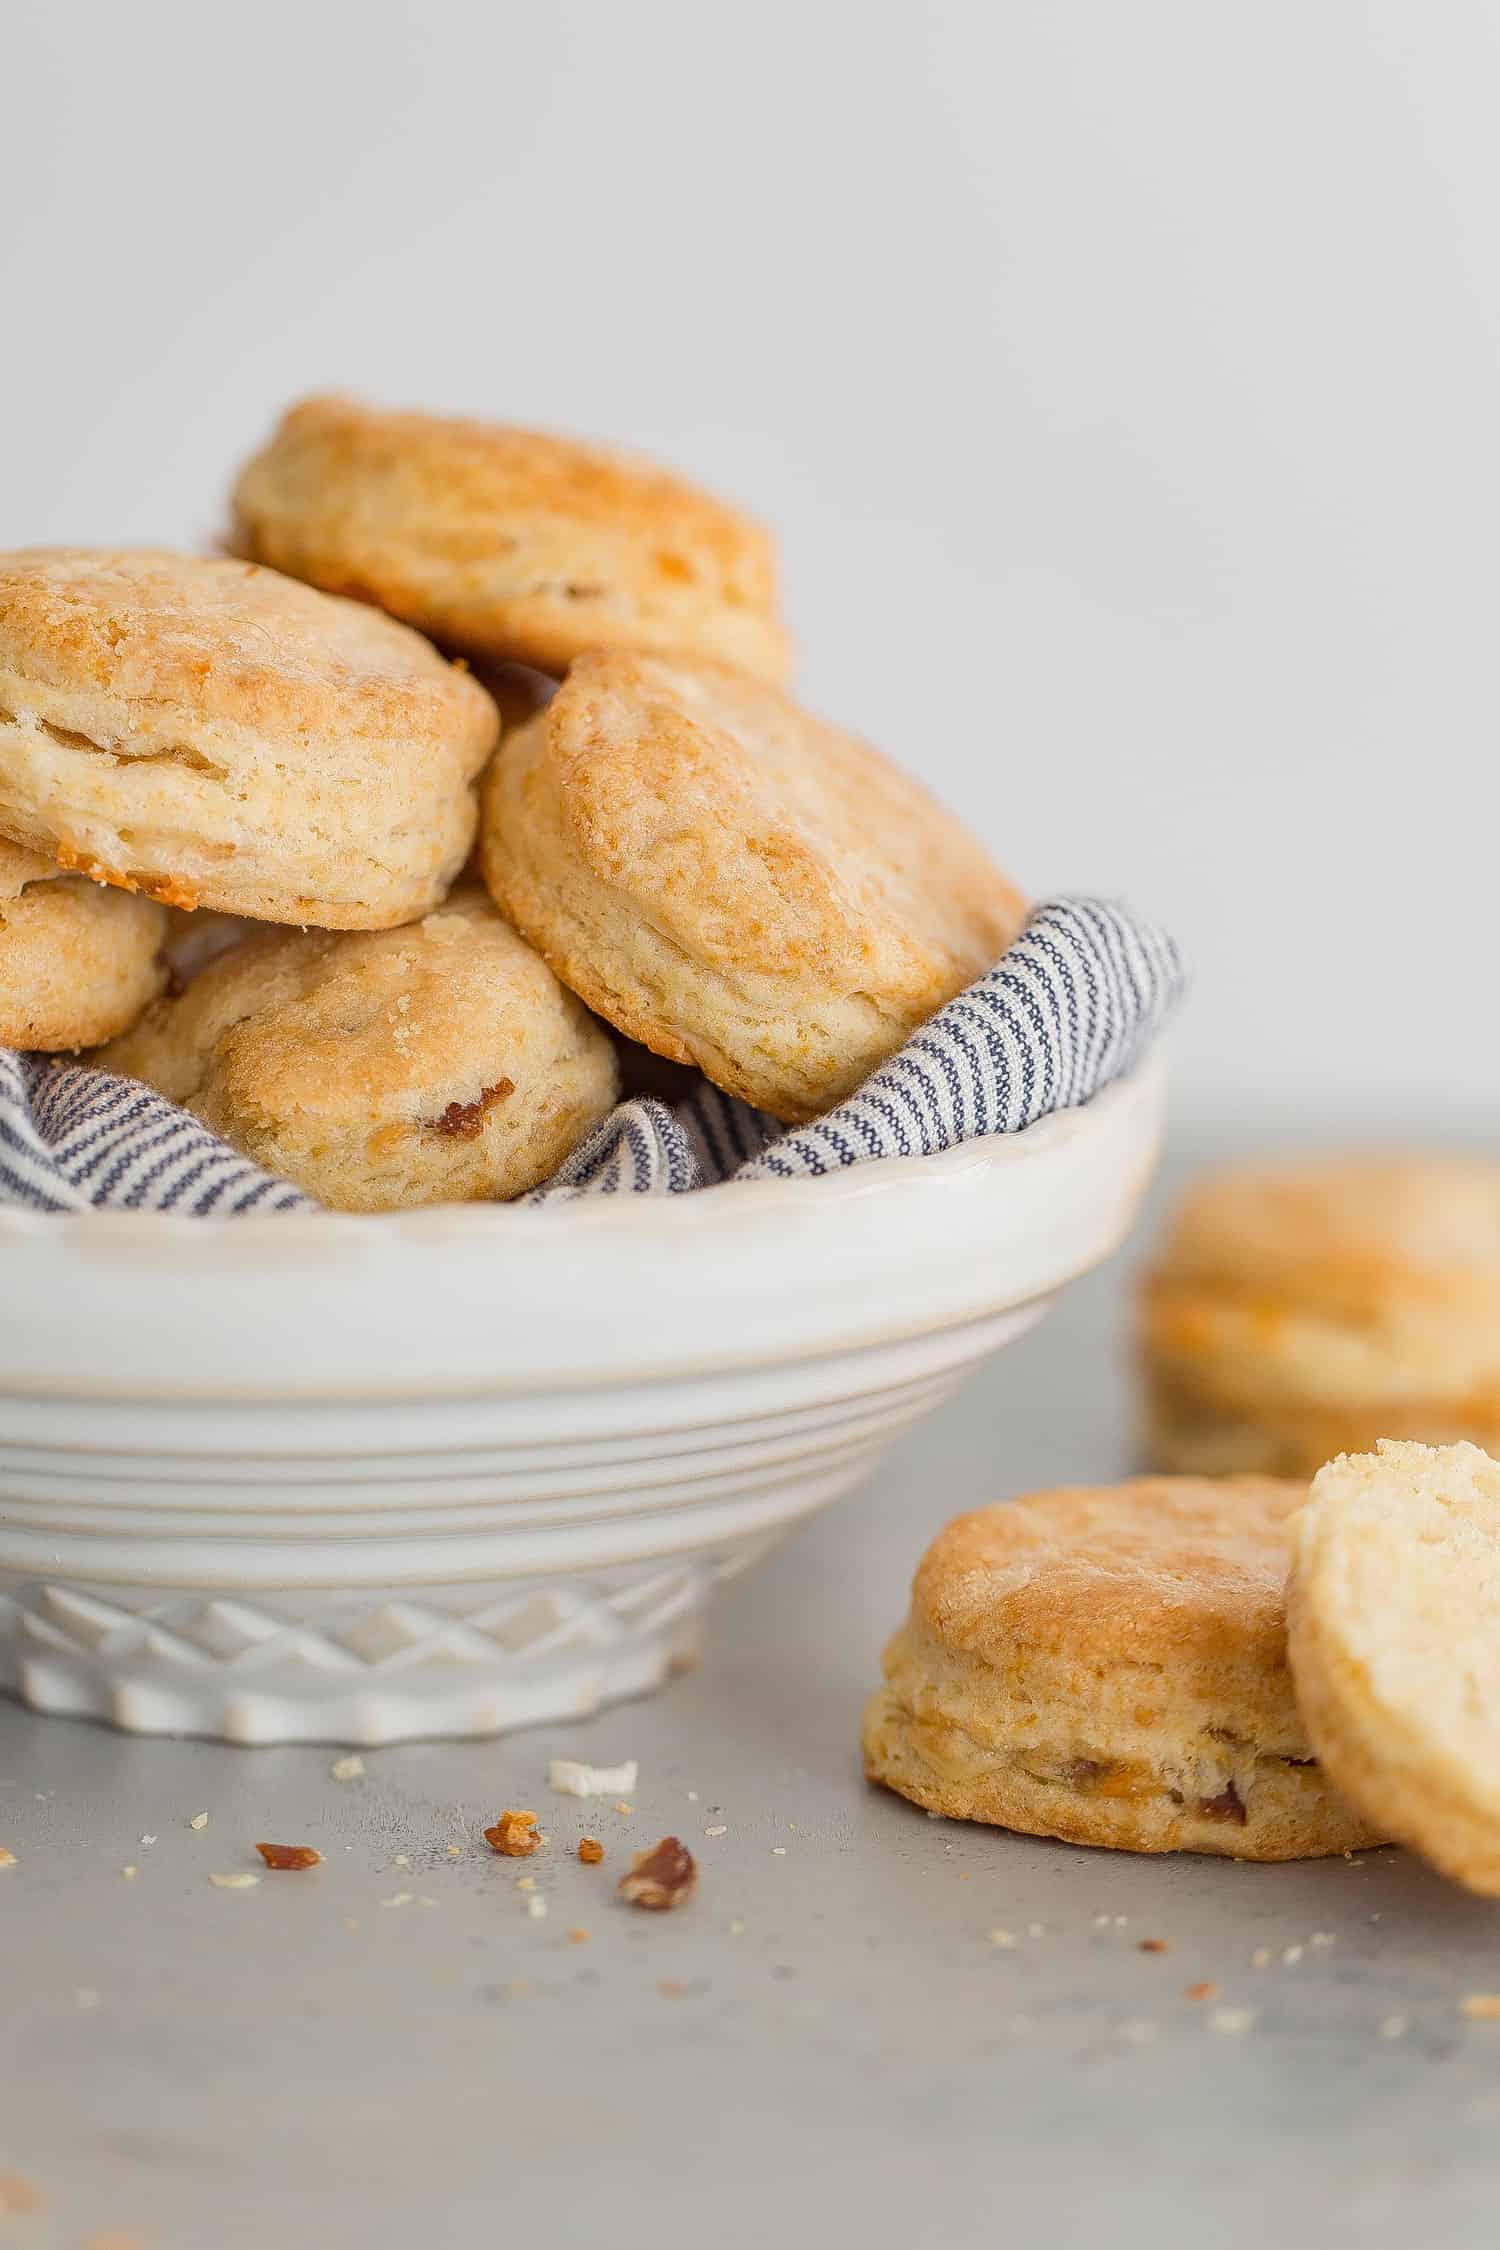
(1075, 1003)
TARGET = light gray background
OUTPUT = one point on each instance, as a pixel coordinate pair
(1124, 381)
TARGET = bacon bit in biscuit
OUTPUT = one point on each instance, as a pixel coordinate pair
(464, 1121)
(18, 2195)
(1228, 1805)
(1483, 2007)
(1154, 1945)
(514, 1835)
(289, 1855)
(661, 1878)
(578, 1937)
(590, 1851)
(1201, 1992)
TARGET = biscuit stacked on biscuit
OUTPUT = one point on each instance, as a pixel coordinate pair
(1300, 1311)
(668, 841)
(1109, 1665)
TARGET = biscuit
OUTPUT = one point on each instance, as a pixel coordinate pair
(214, 735)
(1299, 1311)
(1109, 1666)
(440, 1063)
(77, 963)
(1394, 1635)
(733, 883)
(506, 544)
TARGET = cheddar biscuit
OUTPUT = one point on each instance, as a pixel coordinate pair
(78, 963)
(734, 883)
(509, 545)
(438, 1063)
(1299, 1311)
(1108, 1665)
(211, 734)
(1394, 1608)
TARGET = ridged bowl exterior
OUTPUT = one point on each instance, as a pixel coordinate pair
(357, 1480)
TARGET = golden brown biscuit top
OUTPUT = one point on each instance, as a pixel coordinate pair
(456, 470)
(759, 838)
(1343, 1233)
(1143, 1571)
(232, 641)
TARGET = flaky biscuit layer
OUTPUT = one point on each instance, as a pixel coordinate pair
(1189, 1431)
(212, 734)
(734, 883)
(1301, 1310)
(1394, 1630)
(1109, 1666)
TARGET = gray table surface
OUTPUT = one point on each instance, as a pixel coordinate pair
(826, 2041)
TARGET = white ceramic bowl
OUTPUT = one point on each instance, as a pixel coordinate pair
(358, 1479)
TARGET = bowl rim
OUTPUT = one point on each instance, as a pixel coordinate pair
(608, 1292)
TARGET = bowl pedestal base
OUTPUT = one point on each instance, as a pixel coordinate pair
(366, 1669)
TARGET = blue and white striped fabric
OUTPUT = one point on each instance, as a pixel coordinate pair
(1074, 1004)
(77, 1139)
